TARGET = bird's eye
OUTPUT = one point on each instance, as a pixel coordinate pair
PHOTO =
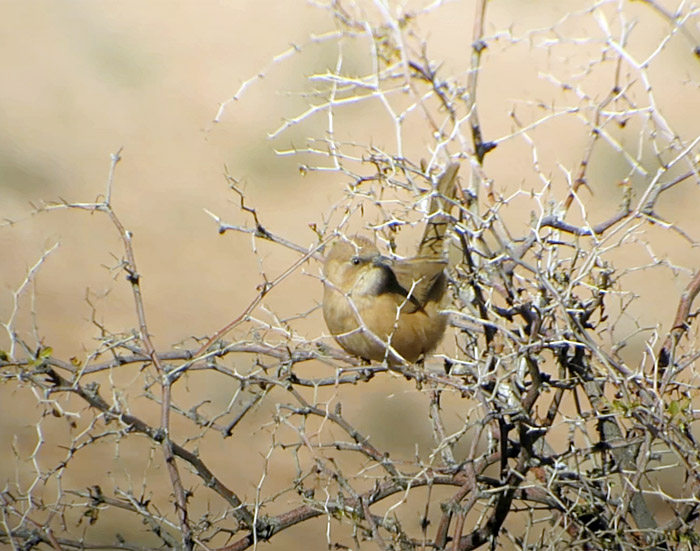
(355, 260)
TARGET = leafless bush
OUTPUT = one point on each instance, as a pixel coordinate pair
(561, 405)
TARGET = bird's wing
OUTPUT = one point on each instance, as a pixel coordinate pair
(420, 277)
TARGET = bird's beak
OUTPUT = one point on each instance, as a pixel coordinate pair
(380, 261)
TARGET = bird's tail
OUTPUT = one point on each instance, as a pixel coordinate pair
(432, 244)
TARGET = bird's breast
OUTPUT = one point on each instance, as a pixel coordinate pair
(363, 323)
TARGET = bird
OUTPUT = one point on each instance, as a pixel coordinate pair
(384, 309)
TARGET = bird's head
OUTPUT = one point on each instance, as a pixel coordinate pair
(356, 266)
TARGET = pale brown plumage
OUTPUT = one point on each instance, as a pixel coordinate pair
(370, 301)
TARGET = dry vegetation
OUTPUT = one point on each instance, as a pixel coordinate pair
(559, 412)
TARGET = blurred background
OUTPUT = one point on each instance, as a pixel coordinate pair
(82, 80)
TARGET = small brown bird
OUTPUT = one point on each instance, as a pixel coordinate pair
(378, 308)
